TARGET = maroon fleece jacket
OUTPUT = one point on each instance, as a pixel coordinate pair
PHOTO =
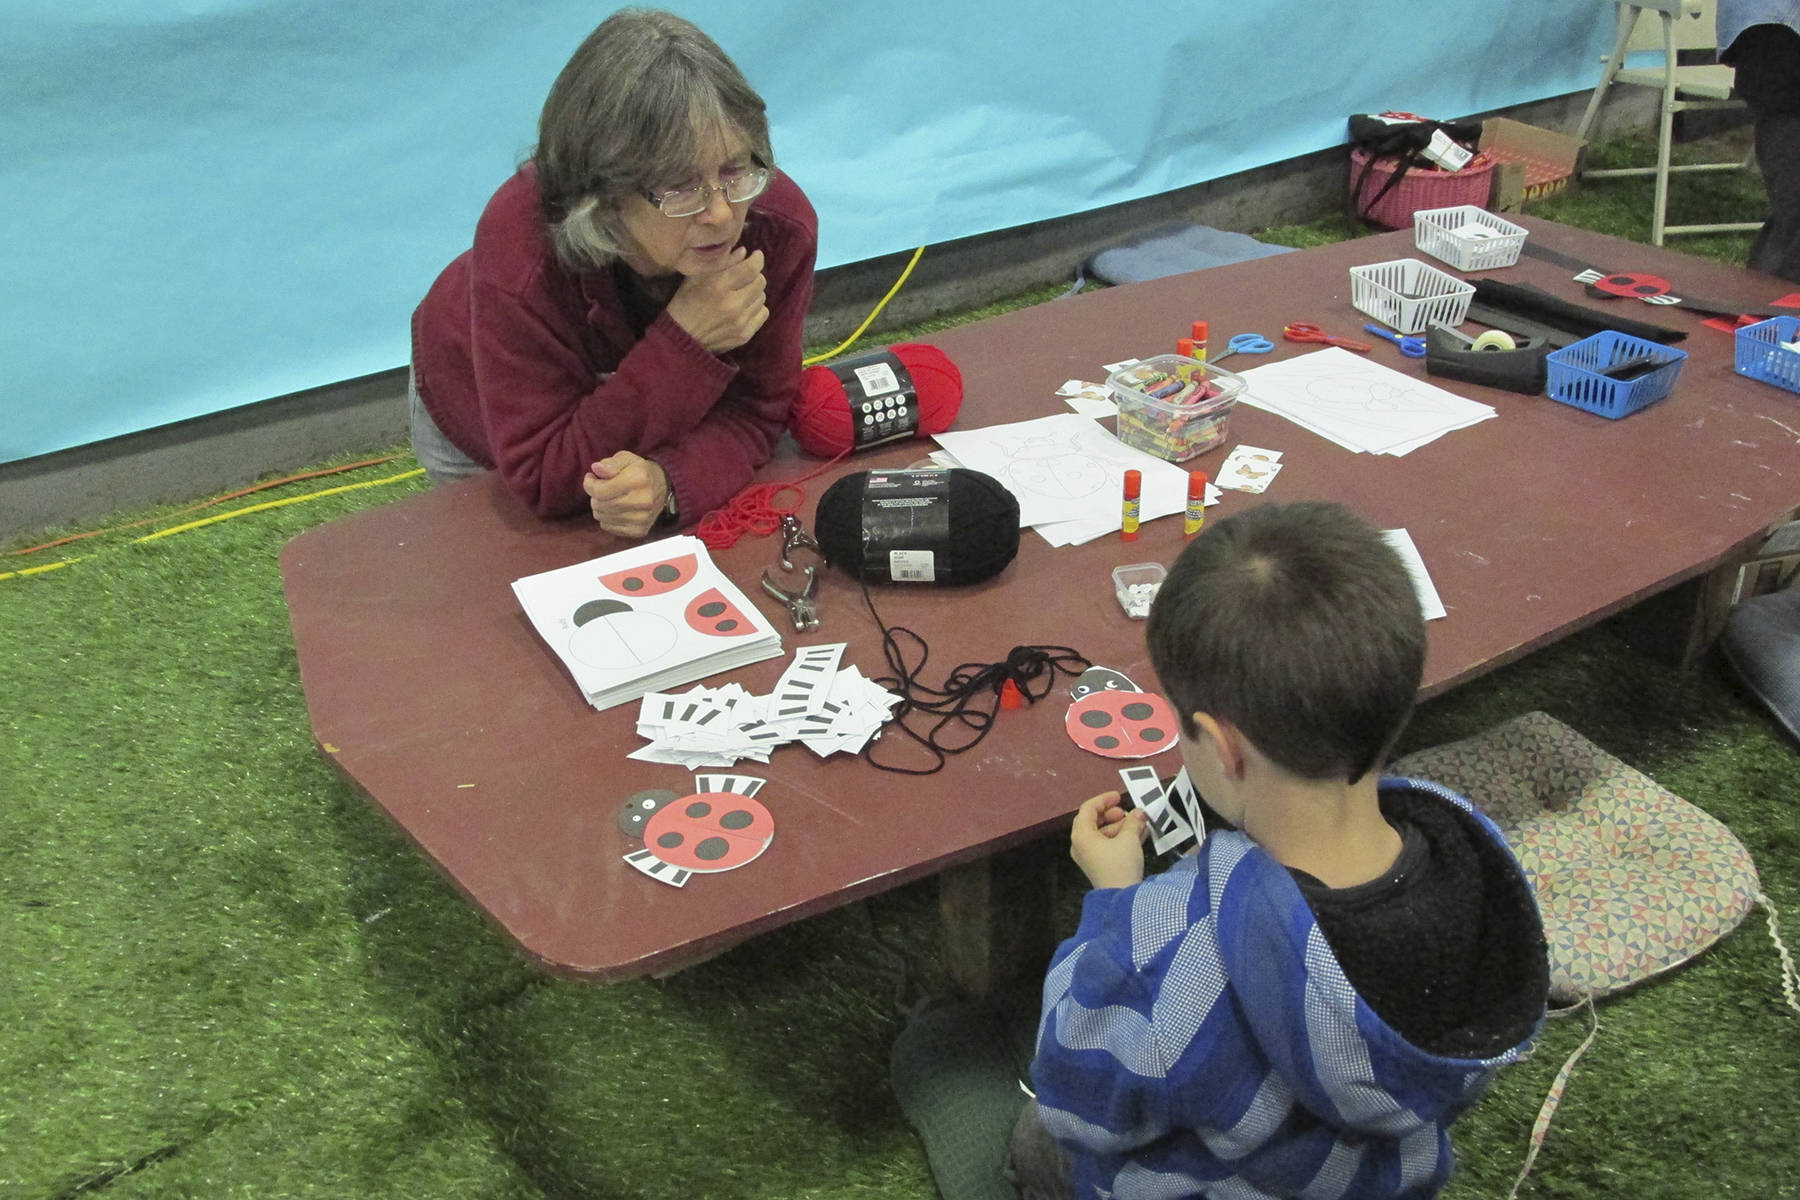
(540, 371)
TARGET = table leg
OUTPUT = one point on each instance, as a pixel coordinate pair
(999, 918)
(1676, 627)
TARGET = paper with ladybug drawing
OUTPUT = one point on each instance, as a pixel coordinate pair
(645, 619)
(1068, 474)
(717, 827)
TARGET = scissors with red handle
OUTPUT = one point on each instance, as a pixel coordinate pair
(1302, 331)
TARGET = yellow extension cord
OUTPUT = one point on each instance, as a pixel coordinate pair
(870, 319)
(224, 516)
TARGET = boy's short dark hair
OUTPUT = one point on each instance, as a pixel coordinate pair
(1298, 624)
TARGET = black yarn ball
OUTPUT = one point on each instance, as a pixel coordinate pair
(950, 526)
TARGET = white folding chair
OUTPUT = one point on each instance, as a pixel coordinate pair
(1684, 25)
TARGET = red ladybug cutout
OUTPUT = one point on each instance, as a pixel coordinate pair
(1116, 724)
(709, 831)
(1629, 284)
(652, 579)
(711, 613)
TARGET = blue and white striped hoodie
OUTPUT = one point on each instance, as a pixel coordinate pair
(1199, 1038)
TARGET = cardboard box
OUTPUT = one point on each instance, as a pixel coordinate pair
(1533, 162)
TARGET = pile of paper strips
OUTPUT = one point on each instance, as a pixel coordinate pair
(827, 708)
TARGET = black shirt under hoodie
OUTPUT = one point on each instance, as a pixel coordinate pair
(1447, 947)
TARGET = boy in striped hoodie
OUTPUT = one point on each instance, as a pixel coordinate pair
(1303, 1004)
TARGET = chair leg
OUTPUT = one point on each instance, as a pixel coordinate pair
(1627, 18)
(1666, 134)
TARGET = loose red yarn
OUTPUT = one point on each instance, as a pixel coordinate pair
(755, 510)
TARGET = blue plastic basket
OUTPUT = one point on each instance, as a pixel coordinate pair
(1761, 355)
(1575, 373)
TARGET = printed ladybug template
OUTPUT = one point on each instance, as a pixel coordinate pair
(720, 826)
(644, 619)
(1111, 717)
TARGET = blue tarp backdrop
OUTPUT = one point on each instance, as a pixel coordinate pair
(212, 202)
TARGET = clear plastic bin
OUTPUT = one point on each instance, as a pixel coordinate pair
(1172, 406)
(1136, 584)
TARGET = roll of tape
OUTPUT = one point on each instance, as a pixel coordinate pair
(1494, 339)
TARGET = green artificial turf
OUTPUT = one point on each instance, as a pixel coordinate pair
(227, 975)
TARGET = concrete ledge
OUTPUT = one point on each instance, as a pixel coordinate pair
(179, 462)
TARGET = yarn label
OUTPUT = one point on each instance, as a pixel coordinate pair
(884, 403)
(906, 523)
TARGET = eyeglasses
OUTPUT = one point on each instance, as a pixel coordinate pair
(738, 187)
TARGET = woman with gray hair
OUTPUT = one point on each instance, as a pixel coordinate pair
(625, 332)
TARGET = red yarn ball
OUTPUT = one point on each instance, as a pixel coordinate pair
(821, 417)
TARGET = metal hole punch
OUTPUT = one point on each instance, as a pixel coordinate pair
(795, 537)
(799, 600)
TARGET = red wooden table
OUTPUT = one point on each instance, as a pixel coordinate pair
(430, 691)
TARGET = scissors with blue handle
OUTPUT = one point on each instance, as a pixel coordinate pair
(1306, 331)
(1245, 343)
(1412, 347)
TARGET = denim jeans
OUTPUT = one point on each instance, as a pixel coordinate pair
(442, 461)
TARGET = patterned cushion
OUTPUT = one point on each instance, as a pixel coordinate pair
(1631, 879)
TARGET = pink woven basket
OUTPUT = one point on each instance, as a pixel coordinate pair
(1421, 188)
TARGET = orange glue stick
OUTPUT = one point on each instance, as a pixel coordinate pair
(1128, 526)
(1196, 503)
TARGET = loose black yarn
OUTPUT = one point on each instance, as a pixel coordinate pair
(960, 701)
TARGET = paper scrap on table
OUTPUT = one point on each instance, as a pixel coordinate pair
(1249, 469)
(1068, 474)
(1402, 542)
(1357, 403)
(1089, 399)
(828, 709)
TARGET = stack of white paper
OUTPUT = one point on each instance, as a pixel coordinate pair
(646, 619)
(1361, 405)
(1068, 473)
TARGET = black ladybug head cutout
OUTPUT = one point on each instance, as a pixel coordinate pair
(1100, 679)
(636, 812)
(593, 610)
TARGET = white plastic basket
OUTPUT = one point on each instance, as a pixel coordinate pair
(1468, 237)
(1410, 295)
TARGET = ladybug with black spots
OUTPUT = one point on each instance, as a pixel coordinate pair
(1111, 717)
(709, 832)
(720, 826)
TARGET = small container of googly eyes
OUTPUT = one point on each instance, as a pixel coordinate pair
(1135, 584)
